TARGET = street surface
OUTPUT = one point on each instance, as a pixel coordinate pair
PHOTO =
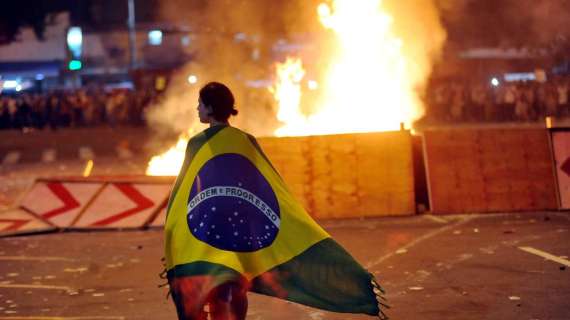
(455, 267)
(491, 266)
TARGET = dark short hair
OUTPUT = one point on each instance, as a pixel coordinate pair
(220, 99)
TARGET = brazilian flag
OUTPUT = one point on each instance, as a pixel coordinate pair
(231, 217)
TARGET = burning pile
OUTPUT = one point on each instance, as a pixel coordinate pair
(367, 87)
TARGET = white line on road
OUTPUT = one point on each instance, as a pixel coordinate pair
(24, 258)
(48, 155)
(546, 255)
(12, 157)
(435, 218)
(63, 318)
(418, 240)
(85, 153)
(34, 286)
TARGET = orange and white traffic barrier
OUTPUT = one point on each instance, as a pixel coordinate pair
(59, 201)
(20, 221)
(159, 220)
(124, 205)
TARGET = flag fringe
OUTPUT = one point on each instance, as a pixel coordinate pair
(163, 276)
(379, 293)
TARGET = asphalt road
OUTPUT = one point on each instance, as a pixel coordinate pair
(452, 267)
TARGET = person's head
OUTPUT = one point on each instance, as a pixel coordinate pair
(216, 103)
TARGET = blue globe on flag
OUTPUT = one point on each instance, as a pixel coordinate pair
(232, 206)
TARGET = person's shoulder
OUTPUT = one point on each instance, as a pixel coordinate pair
(206, 133)
(198, 136)
(249, 135)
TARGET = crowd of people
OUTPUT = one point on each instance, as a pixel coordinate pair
(456, 101)
(75, 108)
(447, 102)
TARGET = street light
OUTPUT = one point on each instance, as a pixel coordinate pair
(75, 41)
(192, 79)
(155, 37)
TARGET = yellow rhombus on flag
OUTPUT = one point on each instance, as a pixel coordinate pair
(232, 217)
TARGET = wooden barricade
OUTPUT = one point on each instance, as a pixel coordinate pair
(289, 156)
(489, 170)
(347, 175)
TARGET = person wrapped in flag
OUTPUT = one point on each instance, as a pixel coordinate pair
(232, 226)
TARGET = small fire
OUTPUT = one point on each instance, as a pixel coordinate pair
(170, 162)
(367, 86)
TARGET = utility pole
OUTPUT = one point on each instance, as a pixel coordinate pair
(132, 36)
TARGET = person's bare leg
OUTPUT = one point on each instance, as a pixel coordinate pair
(188, 298)
(229, 302)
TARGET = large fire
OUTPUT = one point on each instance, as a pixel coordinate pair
(367, 86)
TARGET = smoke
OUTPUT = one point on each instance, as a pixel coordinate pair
(506, 23)
(539, 23)
(228, 44)
(418, 24)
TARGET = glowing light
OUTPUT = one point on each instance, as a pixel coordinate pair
(495, 82)
(522, 76)
(155, 37)
(88, 168)
(192, 79)
(74, 65)
(312, 85)
(75, 41)
(170, 162)
(10, 84)
(185, 41)
(367, 87)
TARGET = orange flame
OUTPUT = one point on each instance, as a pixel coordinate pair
(366, 88)
(170, 162)
(287, 92)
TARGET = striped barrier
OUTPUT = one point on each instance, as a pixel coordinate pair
(160, 219)
(19, 221)
(58, 201)
(105, 202)
(124, 205)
